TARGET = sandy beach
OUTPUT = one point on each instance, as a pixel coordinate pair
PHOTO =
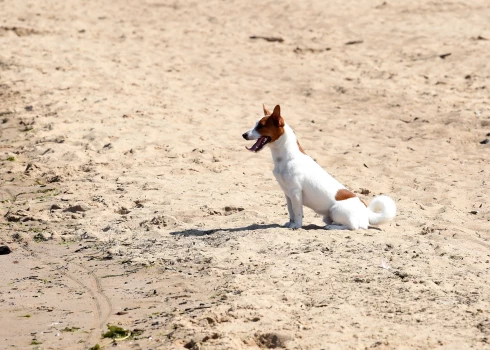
(128, 199)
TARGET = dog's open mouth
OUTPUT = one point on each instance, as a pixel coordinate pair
(261, 142)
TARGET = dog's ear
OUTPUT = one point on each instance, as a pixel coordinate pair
(276, 116)
(266, 111)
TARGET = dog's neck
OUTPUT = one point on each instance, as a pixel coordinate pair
(285, 147)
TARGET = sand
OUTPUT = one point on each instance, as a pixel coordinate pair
(128, 198)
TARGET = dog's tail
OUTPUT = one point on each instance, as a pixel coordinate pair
(381, 210)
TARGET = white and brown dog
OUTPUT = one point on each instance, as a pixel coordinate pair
(304, 182)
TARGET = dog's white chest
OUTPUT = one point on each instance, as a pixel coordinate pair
(283, 176)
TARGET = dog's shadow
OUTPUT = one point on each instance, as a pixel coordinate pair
(254, 227)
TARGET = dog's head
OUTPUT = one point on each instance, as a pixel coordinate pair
(266, 130)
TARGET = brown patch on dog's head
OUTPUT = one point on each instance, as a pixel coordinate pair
(271, 125)
(344, 194)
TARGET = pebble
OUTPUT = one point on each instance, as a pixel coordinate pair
(4, 250)
(77, 208)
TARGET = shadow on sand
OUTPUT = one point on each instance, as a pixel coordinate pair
(197, 233)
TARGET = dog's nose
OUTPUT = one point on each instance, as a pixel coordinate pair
(245, 136)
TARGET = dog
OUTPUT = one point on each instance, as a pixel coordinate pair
(305, 182)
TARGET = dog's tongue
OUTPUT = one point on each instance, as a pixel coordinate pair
(256, 144)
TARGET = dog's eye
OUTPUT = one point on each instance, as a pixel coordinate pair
(259, 126)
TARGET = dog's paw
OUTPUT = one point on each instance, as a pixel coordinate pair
(294, 226)
(287, 224)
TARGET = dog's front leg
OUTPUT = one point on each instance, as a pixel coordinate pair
(290, 211)
(296, 198)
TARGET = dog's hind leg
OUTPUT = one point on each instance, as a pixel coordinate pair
(344, 215)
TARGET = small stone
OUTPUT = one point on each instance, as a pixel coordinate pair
(192, 345)
(77, 208)
(4, 250)
(365, 191)
(272, 340)
(56, 178)
(123, 211)
(484, 326)
(401, 274)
